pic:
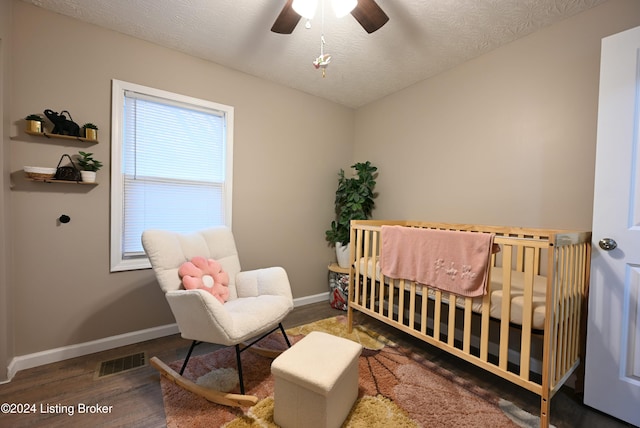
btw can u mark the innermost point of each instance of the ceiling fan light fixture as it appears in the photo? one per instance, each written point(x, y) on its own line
point(305, 8)
point(343, 7)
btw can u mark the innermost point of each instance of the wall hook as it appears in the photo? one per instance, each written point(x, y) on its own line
point(64, 218)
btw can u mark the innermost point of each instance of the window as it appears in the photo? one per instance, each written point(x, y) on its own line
point(171, 167)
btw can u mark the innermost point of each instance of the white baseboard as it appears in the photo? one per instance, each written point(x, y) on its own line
point(36, 359)
point(307, 300)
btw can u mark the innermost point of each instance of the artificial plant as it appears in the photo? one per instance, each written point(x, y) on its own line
point(88, 163)
point(354, 201)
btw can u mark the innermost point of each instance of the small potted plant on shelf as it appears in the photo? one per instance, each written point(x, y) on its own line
point(354, 201)
point(89, 166)
point(34, 123)
point(90, 131)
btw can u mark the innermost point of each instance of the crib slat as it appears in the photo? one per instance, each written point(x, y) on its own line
point(370, 242)
point(381, 299)
point(468, 311)
point(365, 283)
point(412, 304)
point(484, 327)
point(453, 301)
point(401, 301)
point(366, 280)
point(527, 314)
point(579, 267)
point(575, 300)
point(565, 347)
point(556, 339)
point(582, 279)
point(573, 309)
point(582, 315)
point(505, 310)
point(425, 308)
point(375, 253)
point(550, 333)
point(564, 326)
point(358, 251)
point(392, 295)
point(436, 315)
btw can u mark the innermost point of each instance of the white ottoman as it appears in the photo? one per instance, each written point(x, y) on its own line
point(316, 382)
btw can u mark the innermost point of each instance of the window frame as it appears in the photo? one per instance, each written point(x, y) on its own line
point(118, 88)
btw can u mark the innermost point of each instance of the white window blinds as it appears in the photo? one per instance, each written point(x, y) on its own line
point(173, 168)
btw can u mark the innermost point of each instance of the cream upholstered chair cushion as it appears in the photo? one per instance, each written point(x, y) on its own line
point(258, 299)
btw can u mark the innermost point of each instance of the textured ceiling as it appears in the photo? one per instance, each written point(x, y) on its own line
point(421, 39)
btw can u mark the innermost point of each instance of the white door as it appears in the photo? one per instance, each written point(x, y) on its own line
point(612, 379)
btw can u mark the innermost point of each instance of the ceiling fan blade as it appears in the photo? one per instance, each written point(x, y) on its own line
point(369, 15)
point(287, 20)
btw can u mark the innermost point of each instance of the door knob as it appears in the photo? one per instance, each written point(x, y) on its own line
point(607, 244)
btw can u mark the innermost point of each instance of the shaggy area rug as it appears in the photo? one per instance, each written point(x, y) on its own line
point(397, 388)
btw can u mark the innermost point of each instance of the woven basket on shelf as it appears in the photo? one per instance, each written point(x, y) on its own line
point(39, 176)
point(39, 173)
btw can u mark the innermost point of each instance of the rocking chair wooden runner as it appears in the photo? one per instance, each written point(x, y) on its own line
point(258, 302)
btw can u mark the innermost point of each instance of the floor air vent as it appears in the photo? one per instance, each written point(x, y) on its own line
point(121, 364)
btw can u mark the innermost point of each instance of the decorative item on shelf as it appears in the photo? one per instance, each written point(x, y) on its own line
point(89, 166)
point(39, 173)
point(90, 131)
point(34, 123)
point(354, 201)
point(69, 172)
point(62, 125)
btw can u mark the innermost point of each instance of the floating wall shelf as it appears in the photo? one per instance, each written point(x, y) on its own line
point(59, 181)
point(61, 137)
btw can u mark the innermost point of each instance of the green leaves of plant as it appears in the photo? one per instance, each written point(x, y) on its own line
point(88, 163)
point(354, 200)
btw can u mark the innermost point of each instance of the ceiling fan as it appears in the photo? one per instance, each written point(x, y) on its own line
point(366, 12)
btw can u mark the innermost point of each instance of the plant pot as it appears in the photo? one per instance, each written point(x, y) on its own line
point(90, 134)
point(342, 254)
point(88, 176)
point(34, 126)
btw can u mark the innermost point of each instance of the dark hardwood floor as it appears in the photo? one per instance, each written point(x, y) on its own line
point(133, 398)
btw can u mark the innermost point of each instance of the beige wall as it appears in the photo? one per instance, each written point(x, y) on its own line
point(507, 138)
point(284, 178)
point(6, 319)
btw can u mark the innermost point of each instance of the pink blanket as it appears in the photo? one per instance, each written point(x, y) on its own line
point(453, 261)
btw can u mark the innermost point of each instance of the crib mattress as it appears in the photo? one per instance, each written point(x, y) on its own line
point(517, 294)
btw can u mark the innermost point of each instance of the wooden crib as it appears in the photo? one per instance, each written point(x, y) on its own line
point(546, 273)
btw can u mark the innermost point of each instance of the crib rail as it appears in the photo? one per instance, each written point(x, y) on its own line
point(448, 321)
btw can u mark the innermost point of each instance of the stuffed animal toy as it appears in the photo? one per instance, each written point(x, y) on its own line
point(205, 274)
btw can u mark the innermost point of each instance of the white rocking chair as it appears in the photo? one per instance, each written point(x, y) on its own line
point(258, 301)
